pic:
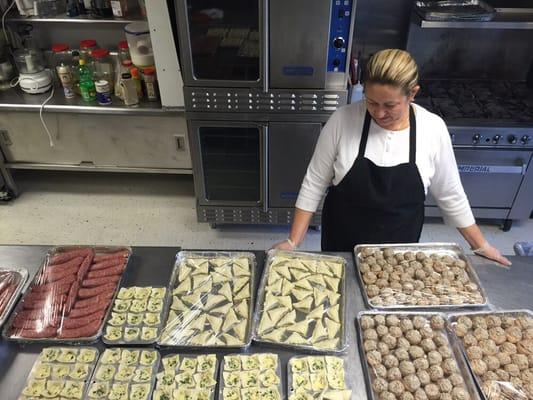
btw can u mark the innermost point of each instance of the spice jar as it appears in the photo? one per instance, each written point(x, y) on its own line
point(86, 48)
point(61, 56)
point(102, 66)
point(149, 82)
point(123, 51)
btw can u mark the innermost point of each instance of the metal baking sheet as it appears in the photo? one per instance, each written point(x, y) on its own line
point(452, 318)
point(23, 272)
point(183, 255)
point(451, 249)
point(90, 339)
point(38, 362)
point(221, 383)
point(455, 10)
point(162, 316)
point(261, 299)
point(454, 346)
point(129, 382)
point(312, 393)
point(181, 357)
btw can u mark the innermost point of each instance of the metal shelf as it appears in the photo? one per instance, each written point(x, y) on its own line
point(17, 100)
point(81, 19)
point(502, 20)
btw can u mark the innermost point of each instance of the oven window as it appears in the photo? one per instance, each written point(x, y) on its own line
point(224, 39)
point(231, 163)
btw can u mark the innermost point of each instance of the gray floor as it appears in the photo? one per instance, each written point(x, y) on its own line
point(135, 209)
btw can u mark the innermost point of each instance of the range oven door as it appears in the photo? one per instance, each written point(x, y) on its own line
point(222, 42)
point(229, 162)
point(491, 178)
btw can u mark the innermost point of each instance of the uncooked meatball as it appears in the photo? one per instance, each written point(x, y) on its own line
point(388, 253)
point(474, 353)
point(488, 346)
point(493, 363)
point(369, 277)
point(373, 357)
point(401, 354)
point(459, 393)
point(509, 348)
point(498, 335)
point(421, 363)
point(479, 322)
point(379, 385)
point(367, 322)
point(437, 322)
point(513, 334)
point(416, 352)
point(432, 391)
point(407, 368)
point(396, 387)
point(466, 321)
point(493, 321)
point(392, 320)
point(370, 345)
point(423, 376)
point(372, 291)
point(445, 351)
point(520, 360)
point(503, 375)
point(383, 348)
point(386, 395)
point(456, 380)
point(409, 255)
point(478, 366)
point(394, 374)
point(428, 345)
point(435, 373)
point(445, 386)
point(406, 325)
point(449, 366)
point(370, 334)
point(406, 396)
point(395, 331)
point(419, 322)
point(434, 358)
point(469, 340)
point(390, 361)
point(426, 332)
point(460, 329)
point(440, 340)
point(370, 260)
point(481, 334)
point(507, 321)
point(389, 340)
point(380, 370)
point(379, 319)
point(411, 383)
point(413, 336)
point(403, 343)
point(382, 330)
point(489, 376)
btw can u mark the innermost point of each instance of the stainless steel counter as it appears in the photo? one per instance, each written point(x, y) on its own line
point(506, 288)
point(17, 100)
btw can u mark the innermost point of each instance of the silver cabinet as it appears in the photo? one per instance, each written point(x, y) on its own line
point(96, 141)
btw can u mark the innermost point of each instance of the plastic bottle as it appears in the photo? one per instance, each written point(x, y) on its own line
point(103, 67)
point(136, 76)
point(125, 66)
point(74, 69)
point(87, 88)
point(149, 82)
point(128, 90)
point(123, 51)
point(65, 77)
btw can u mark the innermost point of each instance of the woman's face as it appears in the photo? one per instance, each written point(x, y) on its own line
point(388, 105)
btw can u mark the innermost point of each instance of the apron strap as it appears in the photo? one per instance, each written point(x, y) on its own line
point(412, 136)
point(364, 136)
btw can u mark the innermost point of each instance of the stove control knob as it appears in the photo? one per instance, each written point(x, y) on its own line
point(476, 138)
point(496, 139)
point(338, 42)
point(511, 139)
point(525, 139)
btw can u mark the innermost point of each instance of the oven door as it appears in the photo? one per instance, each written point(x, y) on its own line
point(222, 42)
point(491, 178)
point(229, 162)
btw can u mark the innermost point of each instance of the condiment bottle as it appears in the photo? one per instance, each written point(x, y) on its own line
point(128, 89)
point(150, 88)
point(137, 79)
point(87, 88)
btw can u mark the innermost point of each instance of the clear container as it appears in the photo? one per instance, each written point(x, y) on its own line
point(75, 73)
point(149, 82)
point(29, 61)
point(138, 36)
point(136, 76)
point(120, 8)
point(123, 67)
point(123, 51)
point(128, 90)
point(62, 54)
point(86, 48)
point(103, 66)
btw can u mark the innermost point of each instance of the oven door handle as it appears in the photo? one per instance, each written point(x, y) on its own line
point(493, 169)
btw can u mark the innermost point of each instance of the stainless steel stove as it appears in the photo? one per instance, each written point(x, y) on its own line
point(491, 129)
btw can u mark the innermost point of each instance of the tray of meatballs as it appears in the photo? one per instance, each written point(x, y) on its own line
point(498, 346)
point(418, 276)
point(412, 356)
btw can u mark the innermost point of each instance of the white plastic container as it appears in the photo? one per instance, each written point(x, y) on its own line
point(138, 37)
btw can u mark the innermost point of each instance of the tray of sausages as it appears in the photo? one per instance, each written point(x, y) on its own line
point(12, 282)
point(70, 296)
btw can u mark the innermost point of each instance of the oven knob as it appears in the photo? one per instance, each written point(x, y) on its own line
point(338, 42)
point(496, 139)
point(336, 62)
point(525, 139)
point(511, 139)
point(476, 138)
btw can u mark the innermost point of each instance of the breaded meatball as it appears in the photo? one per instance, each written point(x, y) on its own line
point(434, 358)
point(456, 380)
point(370, 345)
point(396, 387)
point(401, 354)
point(421, 363)
point(478, 366)
point(481, 334)
point(435, 373)
point(460, 330)
point(509, 348)
point(520, 360)
point(380, 370)
point(420, 394)
point(489, 376)
point(370, 334)
point(512, 369)
point(389, 340)
point(426, 332)
point(392, 320)
point(373, 357)
point(407, 368)
point(379, 385)
point(396, 331)
point(416, 352)
point(513, 334)
point(403, 343)
point(413, 336)
point(406, 324)
point(382, 330)
point(459, 393)
point(440, 340)
point(423, 377)
point(369, 277)
point(411, 383)
point(394, 374)
point(449, 366)
point(390, 361)
point(445, 386)
point(383, 348)
point(379, 319)
point(488, 347)
point(474, 353)
point(372, 291)
point(437, 322)
point(469, 340)
point(466, 321)
point(445, 351)
point(367, 322)
point(503, 375)
point(498, 335)
point(493, 363)
point(432, 391)
point(419, 322)
point(479, 322)
point(493, 321)
point(428, 345)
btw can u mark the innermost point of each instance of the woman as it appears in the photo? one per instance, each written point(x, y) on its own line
point(379, 158)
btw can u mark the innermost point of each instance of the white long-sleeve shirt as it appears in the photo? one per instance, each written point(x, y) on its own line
point(338, 145)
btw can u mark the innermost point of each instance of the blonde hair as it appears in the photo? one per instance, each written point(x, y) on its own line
point(392, 67)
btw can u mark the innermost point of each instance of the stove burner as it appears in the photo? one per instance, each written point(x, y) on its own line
point(510, 101)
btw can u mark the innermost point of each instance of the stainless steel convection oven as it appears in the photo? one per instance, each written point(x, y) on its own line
point(261, 77)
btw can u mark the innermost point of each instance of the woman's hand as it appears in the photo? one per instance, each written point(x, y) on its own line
point(285, 245)
point(492, 253)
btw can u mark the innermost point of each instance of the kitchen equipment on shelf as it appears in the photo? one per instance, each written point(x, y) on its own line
point(138, 36)
point(33, 75)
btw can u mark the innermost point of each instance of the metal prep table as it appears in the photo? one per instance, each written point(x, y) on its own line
point(506, 288)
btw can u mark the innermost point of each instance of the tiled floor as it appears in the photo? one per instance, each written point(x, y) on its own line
point(136, 209)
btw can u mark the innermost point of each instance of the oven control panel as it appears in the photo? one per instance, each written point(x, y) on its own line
point(492, 137)
point(339, 33)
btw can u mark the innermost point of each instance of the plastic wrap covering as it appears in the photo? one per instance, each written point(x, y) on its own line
point(211, 300)
point(317, 377)
point(251, 376)
point(499, 348)
point(455, 10)
point(301, 302)
point(124, 373)
point(60, 373)
point(12, 282)
point(422, 275)
point(411, 355)
point(69, 297)
point(187, 377)
point(136, 316)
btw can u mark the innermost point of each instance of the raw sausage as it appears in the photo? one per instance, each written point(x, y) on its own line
point(71, 323)
point(84, 331)
point(69, 255)
point(106, 272)
point(101, 298)
point(108, 263)
point(86, 293)
point(50, 287)
point(58, 267)
point(82, 312)
point(88, 283)
point(119, 254)
point(47, 332)
point(85, 265)
point(71, 298)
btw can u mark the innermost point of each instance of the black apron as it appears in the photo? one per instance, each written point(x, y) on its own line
point(374, 204)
